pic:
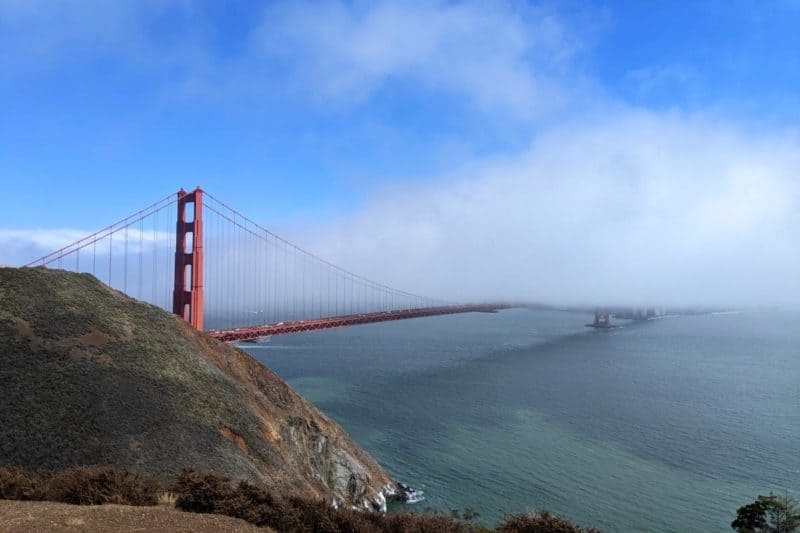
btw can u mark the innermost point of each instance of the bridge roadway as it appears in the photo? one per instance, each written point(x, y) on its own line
point(285, 328)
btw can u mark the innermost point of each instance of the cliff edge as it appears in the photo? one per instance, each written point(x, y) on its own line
point(89, 376)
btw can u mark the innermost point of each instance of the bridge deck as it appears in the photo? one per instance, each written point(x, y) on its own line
point(286, 328)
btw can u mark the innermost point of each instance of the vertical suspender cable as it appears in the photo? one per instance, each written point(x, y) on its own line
point(125, 265)
point(141, 256)
point(154, 257)
point(294, 283)
point(110, 244)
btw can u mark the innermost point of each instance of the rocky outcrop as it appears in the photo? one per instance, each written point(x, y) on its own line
point(91, 376)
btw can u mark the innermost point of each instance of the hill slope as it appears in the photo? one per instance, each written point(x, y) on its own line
point(91, 376)
point(43, 517)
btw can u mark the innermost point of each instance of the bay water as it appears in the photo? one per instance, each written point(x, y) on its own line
point(663, 425)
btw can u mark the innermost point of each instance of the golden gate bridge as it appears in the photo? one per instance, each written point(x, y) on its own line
point(233, 278)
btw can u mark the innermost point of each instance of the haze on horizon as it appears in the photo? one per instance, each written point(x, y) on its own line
point(461, 150)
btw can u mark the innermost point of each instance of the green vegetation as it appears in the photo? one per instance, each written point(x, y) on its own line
point(768, 514)
point(93, 377)
point(206, 493)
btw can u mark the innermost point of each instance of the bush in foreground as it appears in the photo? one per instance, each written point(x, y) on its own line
point(99, 485)
point(79, 486)
point(18, 484)
point(541, 522)
point(768, 514)
point(207, 493)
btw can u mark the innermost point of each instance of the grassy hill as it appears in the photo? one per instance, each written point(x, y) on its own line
point(89, 376)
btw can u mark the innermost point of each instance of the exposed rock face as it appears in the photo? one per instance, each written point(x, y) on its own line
point(90, 376)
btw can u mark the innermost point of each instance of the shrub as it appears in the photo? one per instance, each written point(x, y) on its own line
point(167, 498)
point(201, 493)
point(17, 484)
point(541, 522)
point(207, 493)
point(99, 485)
point(768, 513)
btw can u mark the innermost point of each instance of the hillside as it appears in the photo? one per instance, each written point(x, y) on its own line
point(91, 376)
point(24, 517)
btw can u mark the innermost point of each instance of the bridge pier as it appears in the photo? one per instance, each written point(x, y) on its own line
point(602, 319)
point(187, 296)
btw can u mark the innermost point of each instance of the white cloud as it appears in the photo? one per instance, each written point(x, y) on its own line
point(22, 246)
point(35, 34)
point(634, 208)
point(504, 57)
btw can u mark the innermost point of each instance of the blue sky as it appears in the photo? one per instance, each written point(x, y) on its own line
point(736, 55)
point(308, 116)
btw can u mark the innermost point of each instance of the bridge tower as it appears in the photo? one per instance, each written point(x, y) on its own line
point(602, 319)
point(187, 297)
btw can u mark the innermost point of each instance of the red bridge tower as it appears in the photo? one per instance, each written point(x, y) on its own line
point(187, 297)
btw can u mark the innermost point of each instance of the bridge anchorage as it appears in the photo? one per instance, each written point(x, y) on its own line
point(232, 278)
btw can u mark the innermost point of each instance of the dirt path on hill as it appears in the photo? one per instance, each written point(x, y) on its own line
point(21, 516)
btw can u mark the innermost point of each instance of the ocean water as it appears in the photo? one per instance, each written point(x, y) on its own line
point(666, 425)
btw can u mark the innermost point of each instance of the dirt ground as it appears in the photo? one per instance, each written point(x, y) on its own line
point(24, 516)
